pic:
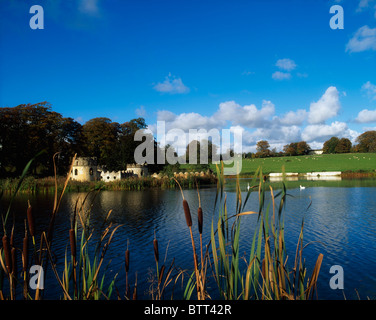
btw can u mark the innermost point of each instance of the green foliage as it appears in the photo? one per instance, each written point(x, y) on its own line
point(28, 129)
point(296, 148)
point(330, 145)
point(367, 142)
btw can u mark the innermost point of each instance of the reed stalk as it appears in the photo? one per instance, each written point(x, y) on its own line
point(267, 275)
point(127, 253)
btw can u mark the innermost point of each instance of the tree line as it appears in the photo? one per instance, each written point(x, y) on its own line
point(366, 142)
point(28, 129)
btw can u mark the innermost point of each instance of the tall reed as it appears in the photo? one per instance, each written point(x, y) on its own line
point(267, 274)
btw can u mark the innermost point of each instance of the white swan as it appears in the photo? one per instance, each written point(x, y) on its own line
point(301, 187)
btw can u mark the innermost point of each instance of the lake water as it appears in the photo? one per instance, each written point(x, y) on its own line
point(340, 223)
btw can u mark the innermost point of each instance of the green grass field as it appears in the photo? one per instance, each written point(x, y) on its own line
point(349, 162)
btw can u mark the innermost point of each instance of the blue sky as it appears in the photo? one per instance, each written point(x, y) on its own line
point(275, 69)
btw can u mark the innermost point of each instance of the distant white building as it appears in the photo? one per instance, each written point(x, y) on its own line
point(312, 152)
point(86, 169)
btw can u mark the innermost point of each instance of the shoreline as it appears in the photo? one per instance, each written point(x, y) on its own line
point(47, 185)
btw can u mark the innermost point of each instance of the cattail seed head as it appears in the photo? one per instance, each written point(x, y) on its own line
point(25, 248)
point(187, 213)
point(72, 240)
point(161, 274)
point(156, 251)
point(127, 260)
point(7, 255)
point(200, 219)
point(30, 220)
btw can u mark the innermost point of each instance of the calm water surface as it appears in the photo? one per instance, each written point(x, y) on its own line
point(340, 223)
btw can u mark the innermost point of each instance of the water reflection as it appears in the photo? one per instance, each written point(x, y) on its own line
point(339, 221)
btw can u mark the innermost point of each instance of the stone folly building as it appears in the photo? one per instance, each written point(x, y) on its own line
point(87, 169)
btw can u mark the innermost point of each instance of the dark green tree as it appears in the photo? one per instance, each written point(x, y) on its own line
point(330, 145)
point(344, 146)
point(367, 142)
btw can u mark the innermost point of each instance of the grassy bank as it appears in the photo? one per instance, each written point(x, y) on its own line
point(47, 185)
point(348, 163)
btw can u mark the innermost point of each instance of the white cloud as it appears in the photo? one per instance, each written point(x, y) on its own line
point(370, 89)
point(278, 75)
point(327, 107)
point(364, 39)
point(248, 73)
point(261, 123)
point(293, 117)
point(171, 85)
point(286, 64)
point(366, 116)
point(248, 115)
point(88, 7)
point(321, 132)
point(141, 112)
point(364, 4)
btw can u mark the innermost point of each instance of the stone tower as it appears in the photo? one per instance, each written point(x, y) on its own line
point(85, 169)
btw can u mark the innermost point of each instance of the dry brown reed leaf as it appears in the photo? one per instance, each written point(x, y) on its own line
point(30, 219)
point(126, 260)
point(25, 249)
point(156, 251)
point(7, 254)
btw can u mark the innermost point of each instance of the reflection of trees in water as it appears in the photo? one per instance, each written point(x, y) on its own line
point(136, 209)
point(131, 207)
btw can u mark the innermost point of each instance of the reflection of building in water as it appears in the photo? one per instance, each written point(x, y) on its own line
point(290, 176)
point(326, 178)
point(330, 175)
point(280, 178)
point(87, 169)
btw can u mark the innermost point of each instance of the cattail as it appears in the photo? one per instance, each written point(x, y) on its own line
point(161, 274)
point(126, 260)
point(156, 251)
point(187, 213)
point(7, 255)
point(72, 239)
point(200, 219)
point(24, 254)
point(30, 220)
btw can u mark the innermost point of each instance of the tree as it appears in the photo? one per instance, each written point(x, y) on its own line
point(262, 149)
point(28, 129)
point(291, 149)
point(302, 148)
point(330, 145)
point(343, 146)
point(204, 149)
point(101, 137)
point(366, 142)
